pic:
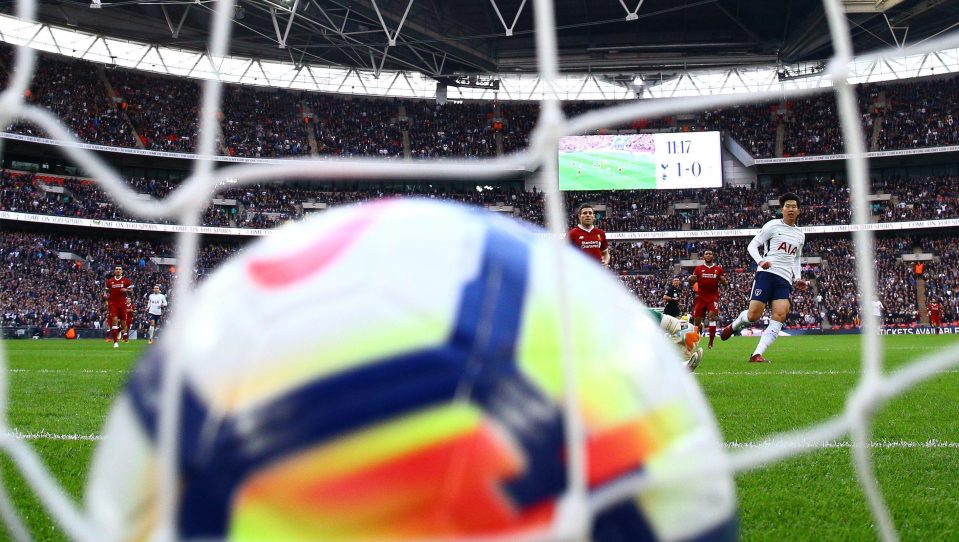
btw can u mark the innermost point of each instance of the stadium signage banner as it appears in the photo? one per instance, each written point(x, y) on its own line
point(874, 154)
point(892, 330)
point(132, 226)
point(166, 154)
point(141, 152)
point(612, 236)
point(841, 228)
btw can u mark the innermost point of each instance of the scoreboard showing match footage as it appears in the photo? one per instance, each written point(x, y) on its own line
point(640, 161)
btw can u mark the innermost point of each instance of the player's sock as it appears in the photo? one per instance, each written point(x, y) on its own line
point(769, 336)
point(115, 333)
point(712, 331)
point(741, 321)
point(152, 329)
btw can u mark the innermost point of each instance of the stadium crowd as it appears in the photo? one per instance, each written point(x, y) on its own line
point(903, 199)
point(163, 110)
point(354, 127)
point(56, 280)
point(450, 130)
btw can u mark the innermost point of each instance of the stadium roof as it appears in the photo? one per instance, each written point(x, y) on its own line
point(611, 49)
point(447, 38)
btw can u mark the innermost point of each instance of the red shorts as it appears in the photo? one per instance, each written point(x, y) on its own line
point(703, 306)
point(937, 322)
point(117, 311)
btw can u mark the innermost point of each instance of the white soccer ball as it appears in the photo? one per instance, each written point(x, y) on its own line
point(394, 371)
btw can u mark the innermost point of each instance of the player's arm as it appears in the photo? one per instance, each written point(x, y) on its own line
point(797, 271)
point(758, 242)
point(605, 246)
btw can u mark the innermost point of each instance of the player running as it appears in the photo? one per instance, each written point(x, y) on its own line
point(587, 237)
point(778, 271)
point(128, 319)
point(155, 305)
point(708, 276)
point(934, 310)
point(115, 293)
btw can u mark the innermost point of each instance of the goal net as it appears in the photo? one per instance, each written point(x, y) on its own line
point(185, 205)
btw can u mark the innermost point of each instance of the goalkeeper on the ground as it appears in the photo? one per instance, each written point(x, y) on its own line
point(685, 335)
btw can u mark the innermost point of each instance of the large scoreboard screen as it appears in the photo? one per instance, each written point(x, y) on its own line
point(640, 161)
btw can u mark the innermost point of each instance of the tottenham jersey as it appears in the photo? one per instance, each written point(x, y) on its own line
point(780, 245)
point(156, 303)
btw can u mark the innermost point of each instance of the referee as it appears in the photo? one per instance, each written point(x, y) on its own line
point(671, 297)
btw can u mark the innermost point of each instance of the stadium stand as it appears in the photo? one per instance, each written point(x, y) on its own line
point(163, 110)
point(345, 126)
point(125, 108)
point(917, 198)
point(55, 280)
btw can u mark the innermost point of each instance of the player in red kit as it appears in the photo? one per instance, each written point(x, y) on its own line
point(934, 309)
point(708, 277)
point(116, 290)
point(587, 237)
point(128, 319)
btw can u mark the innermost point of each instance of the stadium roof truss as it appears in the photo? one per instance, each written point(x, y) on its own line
point(372, 80)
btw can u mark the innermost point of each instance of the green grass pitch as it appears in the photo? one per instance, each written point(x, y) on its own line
point(606, 170)
point(60, 393)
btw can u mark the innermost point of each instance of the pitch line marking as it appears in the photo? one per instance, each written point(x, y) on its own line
point(843, 444)
point(71, 371)
point(43, 434)
point(797, 372)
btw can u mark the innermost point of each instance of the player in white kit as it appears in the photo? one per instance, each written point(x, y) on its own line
point(777, 250)
point(155, 305)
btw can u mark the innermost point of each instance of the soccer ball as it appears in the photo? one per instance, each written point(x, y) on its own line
point(393, 371)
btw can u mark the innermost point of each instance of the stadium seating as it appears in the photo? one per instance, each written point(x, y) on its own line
point(124, 108)
point(923, 198)
point(42, 289)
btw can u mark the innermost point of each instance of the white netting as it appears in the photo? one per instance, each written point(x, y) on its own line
point(186, 204)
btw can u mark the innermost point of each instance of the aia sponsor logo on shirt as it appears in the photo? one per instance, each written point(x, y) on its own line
point(787, 248)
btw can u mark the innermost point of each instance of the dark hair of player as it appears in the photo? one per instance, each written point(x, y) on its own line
point(789, 196)
point(583, 206)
